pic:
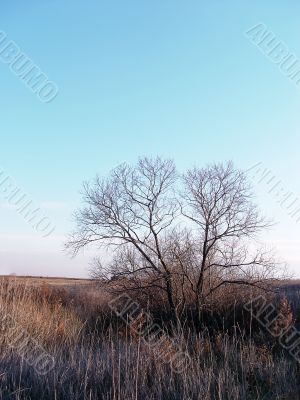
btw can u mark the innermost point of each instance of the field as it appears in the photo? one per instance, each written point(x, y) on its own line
point(96, 355)
point(40, 281)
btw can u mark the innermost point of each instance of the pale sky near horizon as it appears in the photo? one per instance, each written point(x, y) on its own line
point(175, 78)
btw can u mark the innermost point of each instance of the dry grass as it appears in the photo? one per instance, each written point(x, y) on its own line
point(97, 357)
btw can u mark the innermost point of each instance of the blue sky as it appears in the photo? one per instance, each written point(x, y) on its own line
point(167, 77)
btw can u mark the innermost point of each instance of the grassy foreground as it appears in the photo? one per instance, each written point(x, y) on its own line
point(96, 356)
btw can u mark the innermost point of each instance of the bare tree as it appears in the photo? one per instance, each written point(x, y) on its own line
point(184, 248)
point(219, 202)
point(133, 207)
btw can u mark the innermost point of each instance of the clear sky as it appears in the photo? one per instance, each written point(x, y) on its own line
point(174, 78)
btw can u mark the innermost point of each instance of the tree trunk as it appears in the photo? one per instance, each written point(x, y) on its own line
point(169, 288)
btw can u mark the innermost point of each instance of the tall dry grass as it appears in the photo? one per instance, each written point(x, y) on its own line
point(98, 357)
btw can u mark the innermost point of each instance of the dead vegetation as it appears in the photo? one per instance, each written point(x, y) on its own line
point(97, 356)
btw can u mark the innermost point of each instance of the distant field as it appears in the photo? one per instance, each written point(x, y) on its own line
point(59, 281)
point(51, 281)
